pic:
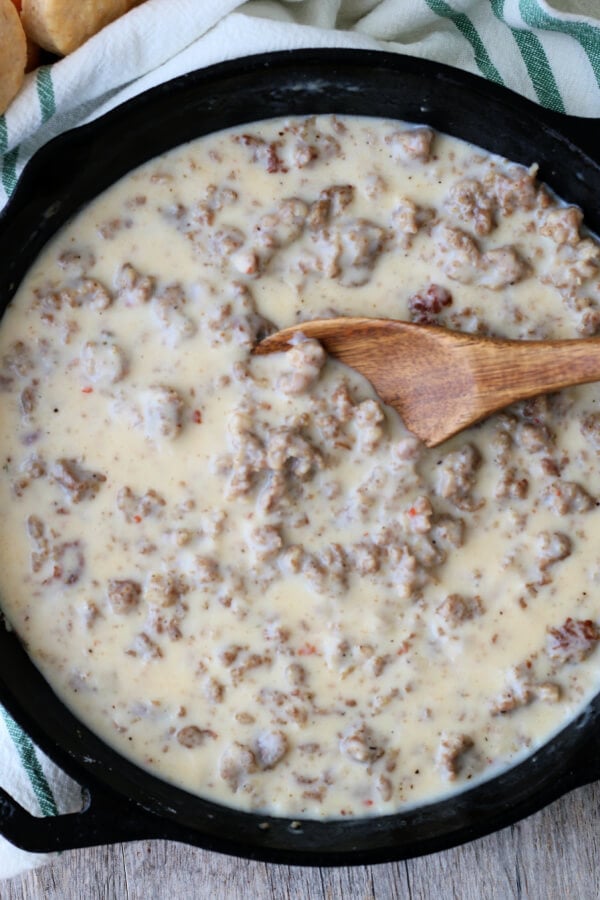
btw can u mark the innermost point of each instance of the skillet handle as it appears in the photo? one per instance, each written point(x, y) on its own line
point(105, 819)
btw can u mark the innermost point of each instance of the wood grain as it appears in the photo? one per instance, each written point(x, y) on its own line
point(550, 856)
point(442, 381)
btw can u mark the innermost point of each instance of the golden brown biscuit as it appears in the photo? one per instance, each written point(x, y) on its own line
point(13, 53)
point(33, 51)
point(61, 26)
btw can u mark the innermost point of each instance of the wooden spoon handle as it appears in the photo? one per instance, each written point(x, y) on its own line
point(518, 369)
point(514, 370)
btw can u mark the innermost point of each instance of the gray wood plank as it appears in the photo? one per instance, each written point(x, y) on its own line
point(550, 856)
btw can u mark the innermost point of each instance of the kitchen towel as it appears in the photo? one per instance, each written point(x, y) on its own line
point(547, 50)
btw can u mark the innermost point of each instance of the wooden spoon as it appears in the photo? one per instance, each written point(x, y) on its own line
point(442, 381)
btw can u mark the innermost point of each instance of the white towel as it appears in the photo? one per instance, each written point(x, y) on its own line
point(547, 51)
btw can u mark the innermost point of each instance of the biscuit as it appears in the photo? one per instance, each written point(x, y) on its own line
point(62, 26)
point(13, 53)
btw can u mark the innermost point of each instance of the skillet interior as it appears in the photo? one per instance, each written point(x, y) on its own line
point(124, 801)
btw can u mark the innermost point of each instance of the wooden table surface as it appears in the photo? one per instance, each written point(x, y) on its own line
point(553, 855)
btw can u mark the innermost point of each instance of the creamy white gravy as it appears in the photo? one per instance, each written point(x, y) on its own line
point(245, 574)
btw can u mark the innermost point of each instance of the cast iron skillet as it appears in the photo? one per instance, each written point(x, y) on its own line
point(123, 802)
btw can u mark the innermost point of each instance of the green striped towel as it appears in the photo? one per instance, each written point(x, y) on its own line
point(37, 783)
point(547, 50)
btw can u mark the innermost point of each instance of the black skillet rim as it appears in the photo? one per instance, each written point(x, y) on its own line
point(126, 802)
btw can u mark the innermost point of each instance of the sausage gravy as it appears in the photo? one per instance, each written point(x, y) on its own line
point(244, 573)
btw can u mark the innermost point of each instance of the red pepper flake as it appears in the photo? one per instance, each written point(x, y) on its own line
point(367, 803)
point(307, 650)
point(197, 417)
point(412, 511)
point(137, 519)
point(87, 390)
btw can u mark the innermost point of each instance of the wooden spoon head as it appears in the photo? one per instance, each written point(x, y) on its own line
point(407, 364)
